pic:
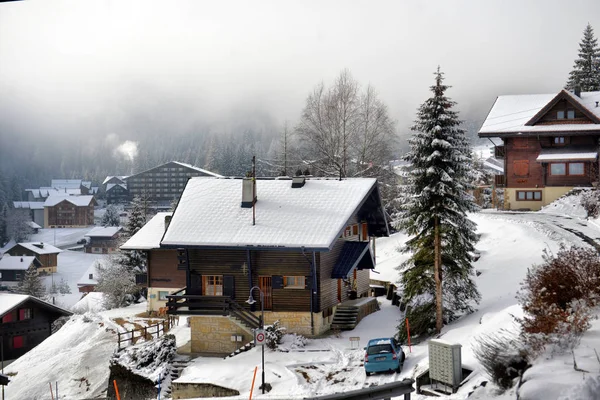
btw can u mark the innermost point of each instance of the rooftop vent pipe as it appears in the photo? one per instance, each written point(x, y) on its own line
point(577, 90)
point(298, 181)
point(247, 189)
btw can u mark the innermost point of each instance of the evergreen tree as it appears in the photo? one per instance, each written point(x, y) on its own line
point(32, 285)
point(137, 216)
point(111, 216)
point(3, 224)
point(586, 71)
point(437, 279)
point(117, 281)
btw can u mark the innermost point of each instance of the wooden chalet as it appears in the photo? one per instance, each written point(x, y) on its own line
point(550, 145)
point(103, 240)
point(13, 268)
point(26, 322)
point(46, 254)
point(88, 281)
point(310, 248)
point(115, 189)
point(69, 211)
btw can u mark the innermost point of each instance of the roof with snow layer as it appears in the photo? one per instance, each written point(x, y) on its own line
point(80, 201)
point(39, 247)
point(150, 235)
point(9, 262)
point(517, 114)
point(209, 213)
point(106, 231)
point(9, 302)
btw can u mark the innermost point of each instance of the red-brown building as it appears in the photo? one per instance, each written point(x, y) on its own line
point(550, 145)
point(69, 211)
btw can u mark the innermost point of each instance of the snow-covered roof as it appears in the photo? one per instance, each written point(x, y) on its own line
point(204, 171)
point(9, 301)
point(85, 279)
point(9, 262)
point(119, 177)
point(567, 154)
point(112, 185)
point(107, 231)
point(39, 247)
point(209, 213)
point(150, 235)
point(33, 225)
point(66, 183)
point(493, 164)
point(510, 114)
point(32, 205)
point(80, 201)
point(44, 192)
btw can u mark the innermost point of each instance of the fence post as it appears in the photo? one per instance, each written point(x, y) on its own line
point(118, 341)
point(145, 333)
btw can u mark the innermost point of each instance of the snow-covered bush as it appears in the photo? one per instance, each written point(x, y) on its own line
point(117, 282)
point(556, 297)
point(293, 341)
point(502, 356)
point(590, 201)
point(274, 334)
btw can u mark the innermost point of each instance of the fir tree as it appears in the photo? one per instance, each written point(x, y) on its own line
point(32, 285)
point(437, 279)
point(3, 224)
point(586, 71)
point(111, 216)
point(137, 217)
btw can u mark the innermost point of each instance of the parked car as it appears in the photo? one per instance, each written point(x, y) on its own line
point(383, 354)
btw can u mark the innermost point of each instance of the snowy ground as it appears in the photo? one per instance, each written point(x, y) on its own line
point(61, 237)
point(510, 243)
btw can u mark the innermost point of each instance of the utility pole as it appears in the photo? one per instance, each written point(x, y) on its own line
point(253, 190)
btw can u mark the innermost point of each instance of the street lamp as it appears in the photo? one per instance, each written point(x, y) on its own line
point(262, 326)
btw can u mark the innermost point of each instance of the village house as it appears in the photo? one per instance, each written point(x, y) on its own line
point(103, 240)
point(13, 268)
point(46, 254)
point(26, 322)
point(115, 189)
point(69, 211)
point(88, 281)
point(303, 246)
point(550, 145)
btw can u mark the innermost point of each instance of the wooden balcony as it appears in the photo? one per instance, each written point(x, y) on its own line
point(499, 180)
point(180, 303)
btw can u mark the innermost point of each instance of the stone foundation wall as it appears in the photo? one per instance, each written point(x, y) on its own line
point(212, 335)
point(195, 390)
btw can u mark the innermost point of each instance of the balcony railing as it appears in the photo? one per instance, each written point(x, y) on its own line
point(499, 180)
point(190, 304)
point(499, 152)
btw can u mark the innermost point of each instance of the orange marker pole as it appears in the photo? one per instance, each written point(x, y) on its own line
point(116, 389)
point(408, 332)
point(253, 379)
point(51, 393)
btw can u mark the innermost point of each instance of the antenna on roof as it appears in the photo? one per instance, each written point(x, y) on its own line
point(253, 190)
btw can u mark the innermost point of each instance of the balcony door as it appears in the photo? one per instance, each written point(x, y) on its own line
point(266, 285)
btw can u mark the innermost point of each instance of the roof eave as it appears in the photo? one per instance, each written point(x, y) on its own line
point(242, 247)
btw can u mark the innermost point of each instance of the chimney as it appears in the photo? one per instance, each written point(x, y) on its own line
point(91, 276)
point(298, 181)
point(167, 222)
point(597, 103)
point(247, 189)
point(577, 90)
point(21, 259)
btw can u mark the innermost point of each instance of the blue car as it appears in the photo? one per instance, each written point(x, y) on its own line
point(383, 354)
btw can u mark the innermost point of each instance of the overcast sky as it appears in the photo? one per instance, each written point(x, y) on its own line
point(87, 66)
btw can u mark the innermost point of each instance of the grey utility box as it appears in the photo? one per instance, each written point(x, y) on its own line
point(445, 364)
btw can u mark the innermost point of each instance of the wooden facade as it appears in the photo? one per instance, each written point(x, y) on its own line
point(47, 261)
point(66, 214)
point(26, 325)
point(552, 152)
point(163, 271)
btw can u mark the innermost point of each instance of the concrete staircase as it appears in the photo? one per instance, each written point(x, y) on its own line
point(241, 350)
point(177, 365)
point(345, 318)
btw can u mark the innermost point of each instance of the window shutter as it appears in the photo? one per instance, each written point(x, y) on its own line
point(277, 282)
point(521, 167)
point(229, 286)
point(308, 282)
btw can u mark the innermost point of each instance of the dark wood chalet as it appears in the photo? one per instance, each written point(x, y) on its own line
point(310, 248)
point(13, 268)
point(26, 322)
point(103, 240)
point(46, 254)
point(550, 145)
point(69, 211)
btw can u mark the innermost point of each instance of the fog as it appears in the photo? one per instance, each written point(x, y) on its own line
point(85, 68)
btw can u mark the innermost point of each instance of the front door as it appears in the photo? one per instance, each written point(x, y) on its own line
point(266, 285)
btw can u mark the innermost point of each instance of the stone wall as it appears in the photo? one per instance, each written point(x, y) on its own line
point(212, 335)
point(195, 390)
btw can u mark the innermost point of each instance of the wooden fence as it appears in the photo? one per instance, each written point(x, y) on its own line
point(147, 332)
